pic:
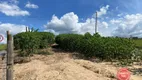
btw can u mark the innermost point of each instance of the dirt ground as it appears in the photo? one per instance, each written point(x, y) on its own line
point(62, 66)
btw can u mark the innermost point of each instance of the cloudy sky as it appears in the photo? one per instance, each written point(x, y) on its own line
point(115, 17)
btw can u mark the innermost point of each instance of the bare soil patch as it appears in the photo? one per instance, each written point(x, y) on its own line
point(62, 66)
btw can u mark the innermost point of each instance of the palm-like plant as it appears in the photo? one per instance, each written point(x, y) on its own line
point(33, 30)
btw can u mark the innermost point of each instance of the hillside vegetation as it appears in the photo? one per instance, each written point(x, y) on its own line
point(74, 57)
point(111, 49)
point(104, 48)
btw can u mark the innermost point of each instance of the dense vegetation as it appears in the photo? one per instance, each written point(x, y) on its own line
point(105, 48)
point(31, 41)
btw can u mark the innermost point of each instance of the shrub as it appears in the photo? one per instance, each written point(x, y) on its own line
point(30, 41)
point(105, 48)
point(87, 35)
point(68, 41)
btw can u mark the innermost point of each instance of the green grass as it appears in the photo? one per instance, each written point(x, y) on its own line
point(2, 47)
point(138, 43)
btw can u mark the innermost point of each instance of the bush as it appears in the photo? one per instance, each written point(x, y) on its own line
point(136, 55)
point(87, 35)
point(68, 41)
point(30, 41)
point(105, 48)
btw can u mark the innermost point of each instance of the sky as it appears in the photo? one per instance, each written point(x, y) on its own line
point(115, 17)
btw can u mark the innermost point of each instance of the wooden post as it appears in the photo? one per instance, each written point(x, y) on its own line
point(96, 24)
point(9, 71)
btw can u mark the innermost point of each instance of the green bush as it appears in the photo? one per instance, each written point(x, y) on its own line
point(68, 41)
point(105, 48)
point(46, 39)
point(87, 35)
point(30, 41)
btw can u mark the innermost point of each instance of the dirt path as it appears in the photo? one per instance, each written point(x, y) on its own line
point(62, 66)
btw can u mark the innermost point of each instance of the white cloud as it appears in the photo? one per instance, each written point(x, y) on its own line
point(30, 5)
point(128, 25)
point(102, 11)
point(69, 23)
point(12, 9)
point(124, 27)
point(105, 24)
point(115, 21)
point(13, 28)
point(66, 24)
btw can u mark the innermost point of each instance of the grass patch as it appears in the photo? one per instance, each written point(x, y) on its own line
point(2, 47)
point(138, 42)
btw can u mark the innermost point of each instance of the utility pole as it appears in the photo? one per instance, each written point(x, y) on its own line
point(96, 23)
